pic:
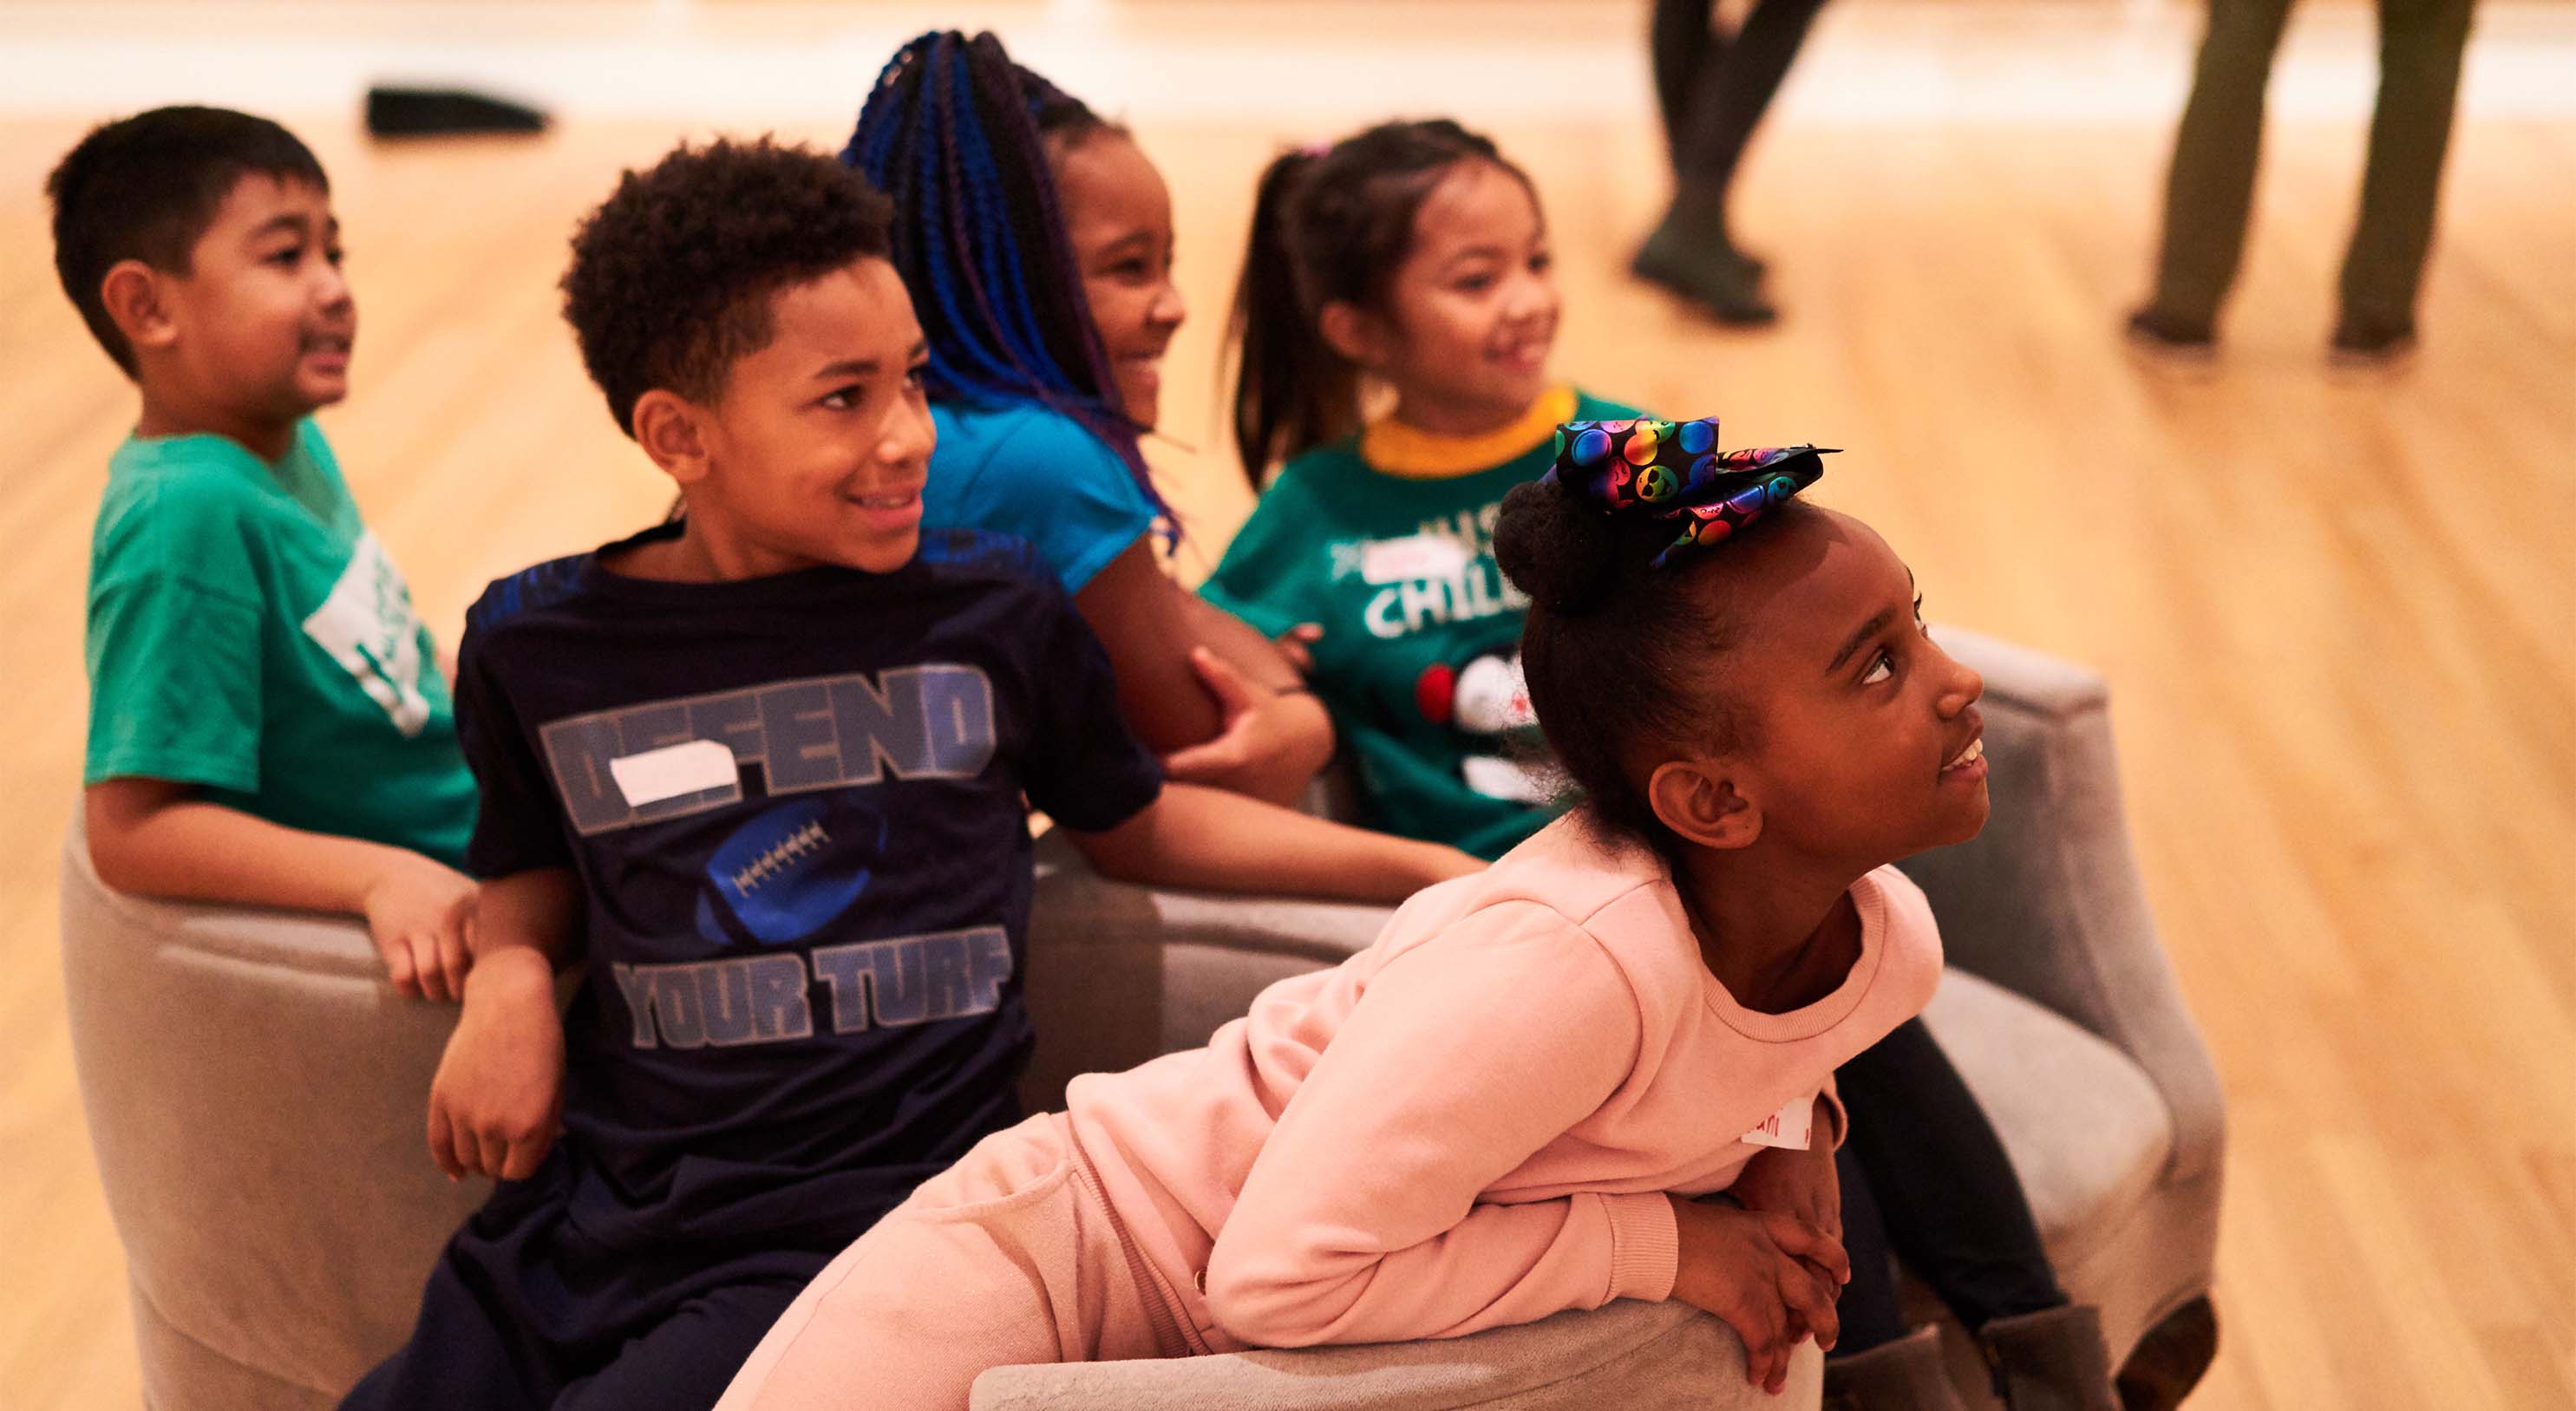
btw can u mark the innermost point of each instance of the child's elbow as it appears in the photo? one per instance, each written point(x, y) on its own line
point(112, 854)
point(112, 861)
point(1121, 854)
point(1265, 1308)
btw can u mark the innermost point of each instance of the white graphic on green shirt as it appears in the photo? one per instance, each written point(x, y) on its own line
point(368, 626)
point(1441, 573)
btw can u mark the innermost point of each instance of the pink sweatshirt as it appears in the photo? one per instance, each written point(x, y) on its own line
point(1472, 1122)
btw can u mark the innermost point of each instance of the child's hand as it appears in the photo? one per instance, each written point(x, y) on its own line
point(1793, 1182)
point(497, 1101)
point(1771, 1277)
point(421, 915)
point(1297, 645)
point(1272, 743)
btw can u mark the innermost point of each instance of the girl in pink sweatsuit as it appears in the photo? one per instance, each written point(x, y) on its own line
point(1501, 1108)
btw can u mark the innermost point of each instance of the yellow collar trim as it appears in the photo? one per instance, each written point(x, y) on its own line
point(1392, 448)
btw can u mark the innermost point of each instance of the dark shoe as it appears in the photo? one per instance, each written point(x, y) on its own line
point(1905, 1375)
point(2370, 343)
point(2171, 1359)
point(2164, 336)
point(1714, 275)
point(2050, 1361)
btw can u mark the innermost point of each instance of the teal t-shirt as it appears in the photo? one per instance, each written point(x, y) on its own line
point(1038, 475)
point(247, 634)
point(1396, 560)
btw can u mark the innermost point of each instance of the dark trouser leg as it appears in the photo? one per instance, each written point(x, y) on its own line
point(1692, 252)
point(1953, 1208)
point(1682, 46)
point(1867, 1305)
point(1727, 101)
point(2210, 190)
point(684, 1362)
point(469, 1348)
point(2419, 82)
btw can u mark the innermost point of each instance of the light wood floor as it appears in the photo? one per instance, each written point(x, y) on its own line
point(2333, 610)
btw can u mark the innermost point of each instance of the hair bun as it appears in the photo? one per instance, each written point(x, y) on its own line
point(1563, 553)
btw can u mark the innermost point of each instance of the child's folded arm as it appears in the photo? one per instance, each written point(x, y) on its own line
point(1198, 837)
point(1362, 1218)
point(496, 1103)
point(159, 838)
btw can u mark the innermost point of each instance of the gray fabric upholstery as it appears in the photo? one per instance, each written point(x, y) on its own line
point(255, 1093)
point(1629, 1355)
point(2048, 902)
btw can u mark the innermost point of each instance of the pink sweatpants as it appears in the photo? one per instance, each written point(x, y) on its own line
point(1010, 1256)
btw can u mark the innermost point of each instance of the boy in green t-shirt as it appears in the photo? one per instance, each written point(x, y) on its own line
point(268, 723)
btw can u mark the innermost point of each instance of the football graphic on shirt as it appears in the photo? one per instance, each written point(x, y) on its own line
point(790, 871)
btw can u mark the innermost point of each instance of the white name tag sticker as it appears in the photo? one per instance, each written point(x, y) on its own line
point(690, 767)
point(1412, 558)
point(1791, 1126)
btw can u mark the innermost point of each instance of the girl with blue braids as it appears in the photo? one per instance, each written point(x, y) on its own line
point(1036, 240)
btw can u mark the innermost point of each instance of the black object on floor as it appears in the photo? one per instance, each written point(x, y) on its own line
point(2361, 343)
point(445, 112)
point(2166, 336)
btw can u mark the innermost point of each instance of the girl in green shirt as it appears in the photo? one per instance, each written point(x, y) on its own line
point(1412, 257)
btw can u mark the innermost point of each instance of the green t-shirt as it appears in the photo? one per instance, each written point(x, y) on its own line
point(247, 634)
point(1387, 540)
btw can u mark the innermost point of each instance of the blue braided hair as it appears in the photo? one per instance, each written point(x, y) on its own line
point(951, 131)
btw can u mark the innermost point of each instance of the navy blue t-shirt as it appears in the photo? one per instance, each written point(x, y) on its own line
point(794, 805)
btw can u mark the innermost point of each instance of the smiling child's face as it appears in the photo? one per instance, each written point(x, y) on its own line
point(1473, 308)
point(263, 322)
point(1118, 219)
point(819, 443)
point(1865, 744)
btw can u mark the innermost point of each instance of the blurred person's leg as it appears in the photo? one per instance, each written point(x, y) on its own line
point(1693, 251)
point(2420, 42)
point(1682, 42)
point(2210, 190)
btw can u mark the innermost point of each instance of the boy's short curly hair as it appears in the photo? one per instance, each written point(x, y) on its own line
point(147, 187)
point(672, 276)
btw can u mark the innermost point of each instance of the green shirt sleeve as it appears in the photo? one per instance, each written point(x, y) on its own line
point(173, 644)
point(174, 669)
point(1265, 578)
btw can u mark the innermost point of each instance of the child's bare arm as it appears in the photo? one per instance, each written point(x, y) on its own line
point(1154, 632)
point(158, 838)
point(497, 1101)
point(1273, 744)
point(1199, 837)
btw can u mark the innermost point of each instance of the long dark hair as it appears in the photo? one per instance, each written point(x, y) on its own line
point(1327, 226)
point(951, 131)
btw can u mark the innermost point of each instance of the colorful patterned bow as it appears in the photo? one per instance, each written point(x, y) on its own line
point(1672, 470)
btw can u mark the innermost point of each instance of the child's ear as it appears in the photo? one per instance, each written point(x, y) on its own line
point(131, 291)
point(1698, 800)
point(673, 431)
point(1353, 332)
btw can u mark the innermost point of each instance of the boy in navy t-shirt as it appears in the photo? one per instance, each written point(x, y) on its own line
point(763, 768)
